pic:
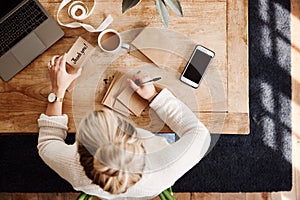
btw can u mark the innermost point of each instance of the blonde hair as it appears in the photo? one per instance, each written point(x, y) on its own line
point(110, 151)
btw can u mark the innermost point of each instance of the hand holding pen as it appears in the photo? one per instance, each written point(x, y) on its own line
point(143, 86)
point(138, 83)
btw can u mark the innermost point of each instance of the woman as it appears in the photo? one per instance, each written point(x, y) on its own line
point(112, 159)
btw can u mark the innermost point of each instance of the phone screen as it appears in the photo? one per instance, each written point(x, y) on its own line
point(197, 66)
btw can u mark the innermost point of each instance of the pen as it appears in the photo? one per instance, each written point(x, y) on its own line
point(152, 80)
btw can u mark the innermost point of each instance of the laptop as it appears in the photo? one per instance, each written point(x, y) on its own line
point(26, 31)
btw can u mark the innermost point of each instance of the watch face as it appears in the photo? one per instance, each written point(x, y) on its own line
point(51, 97)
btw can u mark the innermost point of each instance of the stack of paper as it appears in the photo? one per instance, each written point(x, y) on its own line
point(121, 98)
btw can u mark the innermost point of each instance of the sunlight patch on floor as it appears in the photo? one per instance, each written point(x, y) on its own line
point(264, 7)
point(267, 97)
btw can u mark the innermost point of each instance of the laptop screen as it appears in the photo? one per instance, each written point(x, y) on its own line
point(6, 6)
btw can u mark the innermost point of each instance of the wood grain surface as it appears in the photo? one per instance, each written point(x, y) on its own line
point(218, 25)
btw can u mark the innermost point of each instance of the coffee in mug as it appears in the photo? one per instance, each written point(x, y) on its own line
point(110, 41)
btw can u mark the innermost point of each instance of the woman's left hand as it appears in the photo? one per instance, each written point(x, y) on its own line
point(60, 78)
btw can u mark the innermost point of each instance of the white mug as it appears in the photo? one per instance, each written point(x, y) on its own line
point(110, 41)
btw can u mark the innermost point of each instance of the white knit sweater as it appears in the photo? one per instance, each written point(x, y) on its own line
point(164, 163)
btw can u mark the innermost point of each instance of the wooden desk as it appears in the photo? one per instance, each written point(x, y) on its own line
point(219, 25)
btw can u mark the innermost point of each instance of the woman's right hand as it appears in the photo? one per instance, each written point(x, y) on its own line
point(146, 91)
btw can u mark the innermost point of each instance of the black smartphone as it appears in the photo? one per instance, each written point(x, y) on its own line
point(196, 66)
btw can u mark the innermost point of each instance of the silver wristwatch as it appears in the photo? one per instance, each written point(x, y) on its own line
point(52, 98)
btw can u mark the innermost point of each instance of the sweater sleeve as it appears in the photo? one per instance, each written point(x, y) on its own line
point(53, 150)
point(170, 163)
point(176, 114)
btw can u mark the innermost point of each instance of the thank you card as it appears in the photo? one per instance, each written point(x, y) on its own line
point(79, 52)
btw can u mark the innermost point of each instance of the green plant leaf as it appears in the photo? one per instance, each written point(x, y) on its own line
point(162, 196)
point(81, 196)
point(170, 190)
point(168, 195)
point(175, 6)
point(127, 4)
point(162, 11)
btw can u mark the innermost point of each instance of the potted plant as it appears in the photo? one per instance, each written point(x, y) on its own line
point(161, 6)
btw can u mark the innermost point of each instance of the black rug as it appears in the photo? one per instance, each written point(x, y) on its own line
point(258, 162)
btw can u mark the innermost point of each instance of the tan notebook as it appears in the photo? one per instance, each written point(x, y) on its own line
point(121, 98)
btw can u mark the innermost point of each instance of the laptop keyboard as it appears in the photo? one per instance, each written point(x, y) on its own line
point(20, 24)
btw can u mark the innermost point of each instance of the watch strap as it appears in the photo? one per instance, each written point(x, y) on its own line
point(59, 99)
